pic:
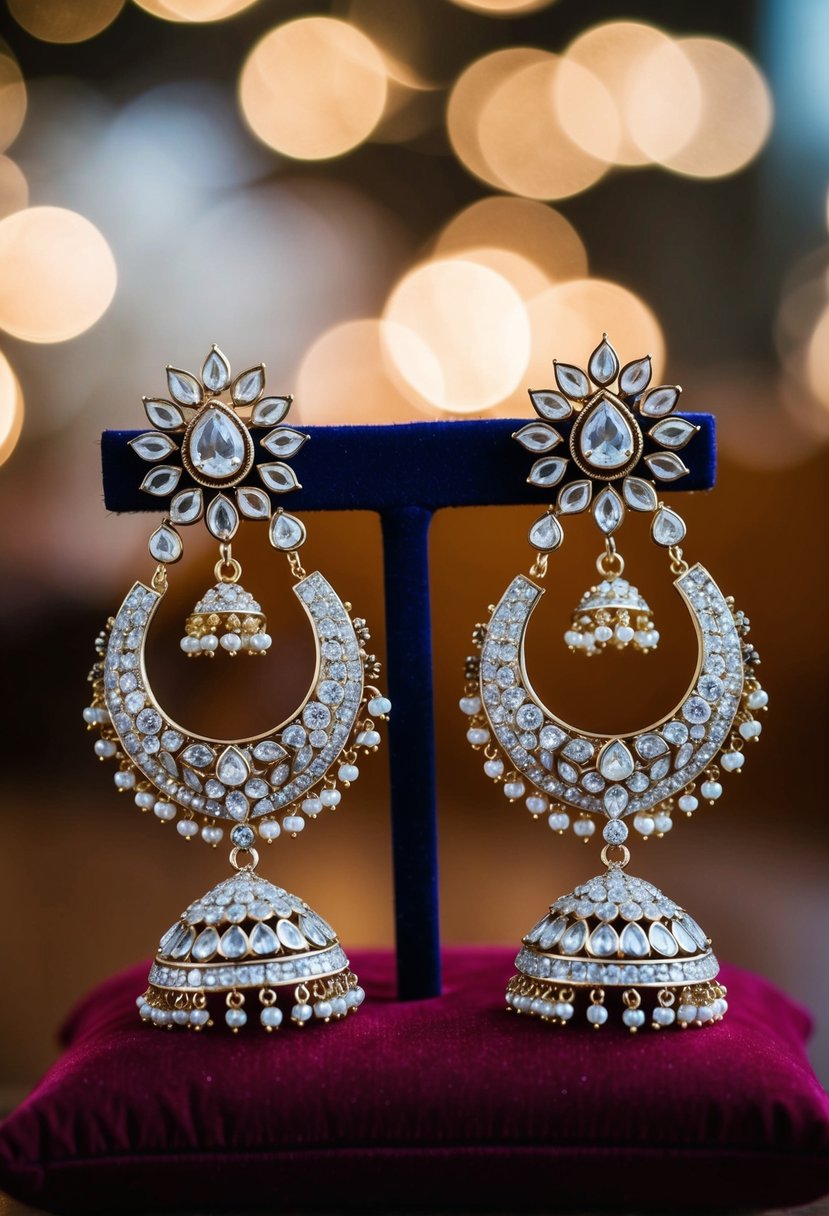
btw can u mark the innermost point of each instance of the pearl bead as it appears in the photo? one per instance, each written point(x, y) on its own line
point(688, 803)
point(477, 736)
point(624, 633)
point(564, 1010)
point(536, 805)
point(640, 638)
point(604, 633)
point(312, 806)
point(209, 642)
point(359, 995)
point(271, 1016)
point(260, 641)
point(663, 1016)
point(662, 823)
point(731, 761)
point(348, 773)
point(181, 1017)
point(330, 797)
point(597, 1015)
point(514, 789)
point(90, 716)
point(105, 748)
point(189, 644)
point(470, 705)
point(145, 799)
point(269, 829)
point(235, 1018)
point(572, 638)
point(750, 729)
point(653, 638)
point(633, 1018)
point(301, 1013)
point(231, 642)
point(644, 825)
point(704, 1013)
point(686, 1014)
point(293, 824)
point(368, 738)
point(339, 1006)
point(584, 828)
point(494, 768)
point(712, 790)
point(199, 1017)
point(378, 707)
point(323, 1009)
point(758, 699)
point(164, 811)
point(211, 834)
point(187, 828)
point(124, 781)
point(559, 821)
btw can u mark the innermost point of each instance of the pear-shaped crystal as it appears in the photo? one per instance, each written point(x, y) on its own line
point(165, 545)
point(546, 534)
point(152, 446)
point(234, 944)
point(161, 480)
point(604, 941)
point(605, 438)
point(270, 410)
point(216, 371)
point(222, 518)
point(673, 432)
point(615, 761)
point(633, 941)
point(574, 498)
point(572, 381)
point(199, 755)
point(183, 387)
point(639, 494)
point(660, 401)
point(278, 477)
point(205, 945)
point(232, 768)
point(661, 940)
point(615, 800)
point(667, 528)
point(284, 441)
point(216, 446)
point(163, 414)
point(683, 937)
point(248, 386)
point(608, 511)
point(290, 936)
point(286, 532)
point(263, 940)
point(549, 404)
point(547, 472)
point(253, 503)
point(666, 466)
point(574, 938)
point(186, 506)
point(537, 437)
point(636, 377)
point(604, 363)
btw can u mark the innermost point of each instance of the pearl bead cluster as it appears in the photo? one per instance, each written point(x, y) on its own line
point(683, 1008)
point(270, 1015)
point(592, 634)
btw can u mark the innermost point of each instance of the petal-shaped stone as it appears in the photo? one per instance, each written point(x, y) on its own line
point(660, 401)
point(574, 938)
point(579, 750)
point(270, 410)
point(605, 437)
point(161, 480)
point(290, 936)
point(673, 432)
point(546, 534)
point(263, 940)
point(269, 751)
point(650, 746)
point(695, 931)
point(232, 767)
point(667, 528)
point(165, 545)
point(216, 371)
point(639, 494)
point(604, 942)
point(633, 941)
point(661, 940)
point(604, 363)
point(548, 404)
point(286, 531)
point(216, 445)
point(152, 446)
point(615, 800)
point(222, 518)
point(636, 376)
point(279, 477)
point(615, 761)
point(183, 387)
point(551, 933)
point(666, 466)
point(608, 510)
point(312, 931)
point(205, 945)
point(233, 943)
point(547, 472)
point(199, 755)
point(186, 506)
point(163, 414)
point(574, 498)
point(284, 441)
point(683, 937)
point(572, 381)
point(537, 437)
point(248, 386)
point(253, 503)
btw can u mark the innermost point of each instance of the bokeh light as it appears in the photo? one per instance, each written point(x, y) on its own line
point(14, 189)
point(57, 274)
point(472, 331)
point(57, 21)
point(735, 108)
point(194, 10)
point(314, 88)
point(12, 99)
point(504, 8)
point(534, 231)
point(817, 359)
point(345, 376)
point(11, 409)
point(521, 137)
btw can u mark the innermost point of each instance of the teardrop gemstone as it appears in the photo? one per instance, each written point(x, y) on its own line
point(615, 761)
point(606, 439)
point(216, 446)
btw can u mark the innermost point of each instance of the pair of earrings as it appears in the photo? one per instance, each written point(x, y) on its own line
point(611, 942)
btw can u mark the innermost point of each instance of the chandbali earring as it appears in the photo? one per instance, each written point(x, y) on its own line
point(615, 943)
point(246, 935)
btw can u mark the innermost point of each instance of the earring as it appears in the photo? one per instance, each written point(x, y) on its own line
point(246, 935)
point(615, 942)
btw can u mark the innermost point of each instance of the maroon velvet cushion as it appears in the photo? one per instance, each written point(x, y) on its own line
point(436, 1105)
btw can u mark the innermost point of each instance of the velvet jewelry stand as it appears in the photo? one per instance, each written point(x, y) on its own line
point(432, 1099)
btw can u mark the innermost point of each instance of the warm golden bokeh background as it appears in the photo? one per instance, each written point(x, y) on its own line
point(407, 209)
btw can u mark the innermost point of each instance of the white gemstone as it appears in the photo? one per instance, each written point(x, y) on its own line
point(615, 761)
point(152, 445)
point(547, 472)
point(546, 533)
point(263, 940)
point(636, 377)
point(278, 477)
point(222, 518)
point(550, 404)
point(216, 445)
point(186, 506)
point(574, 938)
point(234, 943)
point(165, 545)
point(608, 511)
point(216, 371)
point(537, 437)
point(162, 480)
point(248, 386)
point(232, 767)
point(183, 387)
point(660, 401)
point(286, 531)
point(615, 800)
point(284, 441)
point(666, 466)
point(164, 415)
point(290, 936)
point(667, 528)
point(572, 380)
point(604, 363)
point(639, 494)
point(673, 432)
point(633, 942)
point(650, 746)
point(604, 941)
point(575, 497)
point(270, 410)
point(253, 503)
point(199, 755)
point(605, 439)
point(662, 941)
point(615, 832)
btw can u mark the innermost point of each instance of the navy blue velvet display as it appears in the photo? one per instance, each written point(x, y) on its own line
point(406, 473)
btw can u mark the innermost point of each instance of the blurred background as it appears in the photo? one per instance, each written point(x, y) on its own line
point(407, 208)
